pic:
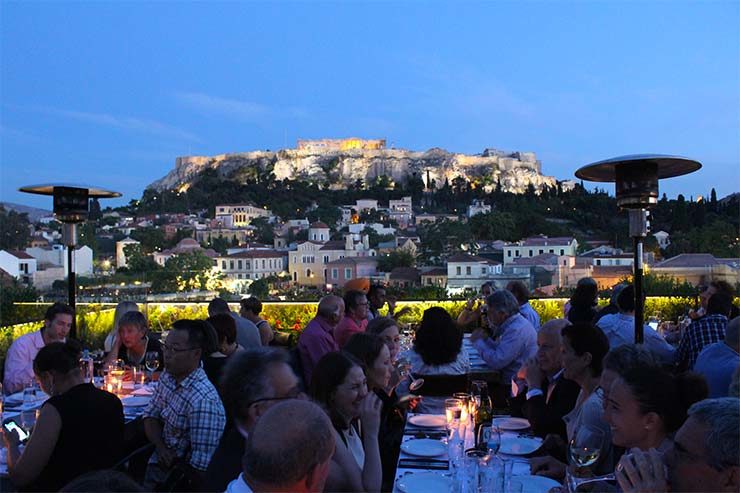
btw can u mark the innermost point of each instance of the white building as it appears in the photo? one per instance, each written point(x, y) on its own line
point(319, 232)
point(357, 229)
point(478, 207)
point(120, 251)
point(244, 267)
point(365, 204)
point(469, 272)
point(18, 264)
point(538, 245)
point(663, 238)
point(401, 211)
point(238, 215)
point(56, 256)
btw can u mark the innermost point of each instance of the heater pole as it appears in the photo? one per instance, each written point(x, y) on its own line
point(638, 231)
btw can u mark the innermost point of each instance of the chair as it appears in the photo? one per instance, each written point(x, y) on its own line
point(442, 385)
point(134, 464)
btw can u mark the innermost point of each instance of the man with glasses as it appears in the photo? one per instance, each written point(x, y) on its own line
point(705, 454)
point(185, 418)
point(252, 382)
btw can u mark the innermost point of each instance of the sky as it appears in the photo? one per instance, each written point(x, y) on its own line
point(110, 93)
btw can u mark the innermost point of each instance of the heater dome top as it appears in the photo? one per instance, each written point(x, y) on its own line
point(667, 166)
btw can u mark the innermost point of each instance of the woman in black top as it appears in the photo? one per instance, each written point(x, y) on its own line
point(133, 342)
point(79, 429)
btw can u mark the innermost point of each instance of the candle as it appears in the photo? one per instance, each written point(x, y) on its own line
point(109, 387)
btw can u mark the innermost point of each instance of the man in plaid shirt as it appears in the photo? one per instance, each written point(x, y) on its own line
point(705, 331)
point(185, 418)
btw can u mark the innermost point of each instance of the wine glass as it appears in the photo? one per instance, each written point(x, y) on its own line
point(151, 361)
point(585, 449)
point(489, 438)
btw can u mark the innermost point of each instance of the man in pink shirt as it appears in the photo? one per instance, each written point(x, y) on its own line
point(317, 338)
point(355, 317)
point(19, 360)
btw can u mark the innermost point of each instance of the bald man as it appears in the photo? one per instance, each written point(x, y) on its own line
point(542, 394)
point(289, 450)
point(317, 338)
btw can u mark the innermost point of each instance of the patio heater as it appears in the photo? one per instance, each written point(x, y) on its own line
point(636, 177)
point(71, 206)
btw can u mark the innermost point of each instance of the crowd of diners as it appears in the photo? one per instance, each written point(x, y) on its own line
point(232, 412)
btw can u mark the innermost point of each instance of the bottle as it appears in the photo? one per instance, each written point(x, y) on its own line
point(86, 365)
point(484, 410)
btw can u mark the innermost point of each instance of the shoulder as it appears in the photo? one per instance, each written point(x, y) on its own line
point(26, 340)
point(154, 344)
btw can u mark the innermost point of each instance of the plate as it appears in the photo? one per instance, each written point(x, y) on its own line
point(519, 445)
point(428, 420)
point(536, 484)
point(511, 424)
point(135, 401)
point(424, 482)
point(424, 447)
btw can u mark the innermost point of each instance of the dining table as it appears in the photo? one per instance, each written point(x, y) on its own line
point(434, 458)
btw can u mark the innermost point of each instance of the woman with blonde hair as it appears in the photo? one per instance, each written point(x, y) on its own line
point(121, 308)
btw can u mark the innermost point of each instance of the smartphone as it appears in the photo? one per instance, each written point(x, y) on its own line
point(11, 425)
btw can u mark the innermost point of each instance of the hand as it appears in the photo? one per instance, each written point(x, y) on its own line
point(547, 466)
point(641, 472)
point(471, 303)
point(408, 403)
point(403, 311)
point(166, 456)
point(535, 376)
point(391, 300)
point(11, 438)
point(370, 415)
point(477, 334)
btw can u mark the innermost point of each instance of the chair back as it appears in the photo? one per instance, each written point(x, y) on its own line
point(442, 385)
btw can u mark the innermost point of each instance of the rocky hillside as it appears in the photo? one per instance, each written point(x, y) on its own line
point(515, 171)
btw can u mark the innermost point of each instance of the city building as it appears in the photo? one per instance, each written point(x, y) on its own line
point(239, 215)
point(245, 266)
point(339, 271)
point(185, 246)
point(401, 211)
point(121, 251)
point(468, 272)
point(405, 277)
point(319, 232)
point(308, 263)
point(478, 207)
point(18, 264)
point(56, 256)
point(352, 143)
point(699, 268)
point(538, 245)
point(436, 276)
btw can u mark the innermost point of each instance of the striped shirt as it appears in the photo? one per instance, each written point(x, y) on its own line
point(703, 332)
point(192, 415)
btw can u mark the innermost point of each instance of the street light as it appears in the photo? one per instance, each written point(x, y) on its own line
point(71, 206)
point(636, 177)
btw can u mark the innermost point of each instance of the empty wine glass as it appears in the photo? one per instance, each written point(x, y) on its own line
point(489, 439)
point(151, 361)
point(585, 449)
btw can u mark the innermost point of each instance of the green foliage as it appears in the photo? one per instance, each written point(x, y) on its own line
point(10, 313)
point(14, 232)
point(396, 258)
point(494, 226)
point(442, 238)
point(138, 261)
point(150, 238)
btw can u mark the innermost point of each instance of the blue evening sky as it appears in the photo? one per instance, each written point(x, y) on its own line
point(110, 93)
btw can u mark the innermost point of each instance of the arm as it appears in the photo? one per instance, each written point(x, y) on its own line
point(28, 466)
point(112, 355)
point(206, 422)
point(266, 332)
point(499, 354)
point(468, 315)
point(344, 473)
point(372, 472)
point(153, 430)
point(18, 370)
point(664, 351)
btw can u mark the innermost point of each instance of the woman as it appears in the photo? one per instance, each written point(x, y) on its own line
point(473, 317)
point(387, 329)
point(619, 360)
point(583, 348)
point(583, 303)
point(250, 309)
point(224, 326)
point(646, 405)
point(340, 386)
point(79, 429)
point(374, 355)
point(437, 350)
point(133, 342)
point(121, 309)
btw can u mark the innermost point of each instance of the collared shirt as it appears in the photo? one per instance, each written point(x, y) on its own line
point(19, 361)
point(703, 332)
point(238, 485)
point(530, 314)
point(192, 415)
point(348, 326)
point(619, 328)
point(247, 334)
point(717, 363)
point(517, 342)
point(315, 341)
point(551, 382)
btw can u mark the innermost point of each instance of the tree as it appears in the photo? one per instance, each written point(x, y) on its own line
point(151, 239)
point(138, 261)
point(493, 226)
point(396, 258)
point(190, 271)
point(14, 230)
point(9, 295)
point(94, 213)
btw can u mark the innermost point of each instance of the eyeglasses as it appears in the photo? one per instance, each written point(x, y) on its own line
point(293, 394)
point(170, 349)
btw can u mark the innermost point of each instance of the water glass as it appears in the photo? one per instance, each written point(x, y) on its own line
point(466, 474)
point(29, 395)
point(453, 410)
point(489, 439)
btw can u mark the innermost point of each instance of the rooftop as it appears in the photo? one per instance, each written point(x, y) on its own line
point(697, 260)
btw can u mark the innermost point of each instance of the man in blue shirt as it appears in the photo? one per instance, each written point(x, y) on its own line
point(515, 341)
point(718, 361)
point(619, 328)
point(521, 293)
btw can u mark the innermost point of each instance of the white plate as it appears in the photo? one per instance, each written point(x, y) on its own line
point(424, 482)
point(428, 420)
point(519, 445)
point(135, 401)
point(511, 424)
point(424, 447)
point(536, 484)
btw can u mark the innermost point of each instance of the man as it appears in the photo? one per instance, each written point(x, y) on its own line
point(290, 450)
point(718, 361)
point(705, 454)
point(521, 293)
point(253, 381)
point(707, 292)
point(355, 317)
point(247, 334)
point(612, 307)
point(541, 393)
point(185, 418)
point(317, 338)
point(472, 316)
point(377, 299)
point(20, 356)
point(619, 328)
point(704, 331)
point(516, 341)
point(250, 309)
